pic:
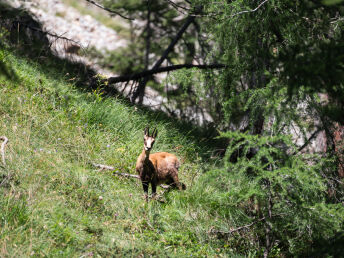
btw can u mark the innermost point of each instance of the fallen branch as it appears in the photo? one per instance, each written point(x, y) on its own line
point(2, 150)
point(106, 167)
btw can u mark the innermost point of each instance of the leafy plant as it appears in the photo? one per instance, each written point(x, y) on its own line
point(272, 197)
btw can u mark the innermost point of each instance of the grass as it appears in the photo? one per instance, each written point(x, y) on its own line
point(54, 203)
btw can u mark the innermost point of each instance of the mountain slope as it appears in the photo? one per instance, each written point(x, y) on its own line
point(55, 203)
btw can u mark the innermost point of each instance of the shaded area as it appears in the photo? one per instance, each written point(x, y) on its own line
point(6, 71)
point(323, 247)
point(25, 36)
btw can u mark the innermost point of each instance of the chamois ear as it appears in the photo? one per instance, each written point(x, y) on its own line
point(155, 133)
point(146, 131)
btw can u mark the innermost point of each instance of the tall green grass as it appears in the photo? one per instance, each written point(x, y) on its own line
point(55, 203)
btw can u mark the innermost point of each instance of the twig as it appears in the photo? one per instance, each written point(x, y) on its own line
point(250, 11)
point(109, 10)
point(178, 6)
point(212, 14)
point(2, 150)
point(106, 167)
point(237, 229)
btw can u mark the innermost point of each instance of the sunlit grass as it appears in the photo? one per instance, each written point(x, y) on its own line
point(54, 203)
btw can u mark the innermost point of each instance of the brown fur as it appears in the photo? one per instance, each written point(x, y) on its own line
point(158, 168)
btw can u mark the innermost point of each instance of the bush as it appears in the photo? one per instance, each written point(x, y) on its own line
point(273, 199)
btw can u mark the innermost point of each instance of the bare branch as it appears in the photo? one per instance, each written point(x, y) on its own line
point(2, 149)
point(109, 10)
point(137, 76)
point(236, 229)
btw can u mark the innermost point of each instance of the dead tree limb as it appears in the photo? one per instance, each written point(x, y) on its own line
point(2, 149)
point(138, 76)
point(106, 167)
point(108, 10)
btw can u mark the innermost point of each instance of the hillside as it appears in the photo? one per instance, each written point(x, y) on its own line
point(264, 179)
point(55, 203)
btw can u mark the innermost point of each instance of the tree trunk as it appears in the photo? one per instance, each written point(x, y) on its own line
point(148, 45)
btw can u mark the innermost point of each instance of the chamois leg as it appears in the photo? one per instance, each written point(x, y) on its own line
point(176, 183)
point(153, 190)
point(145, 189)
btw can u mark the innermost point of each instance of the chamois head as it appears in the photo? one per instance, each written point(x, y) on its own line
point(149, 139)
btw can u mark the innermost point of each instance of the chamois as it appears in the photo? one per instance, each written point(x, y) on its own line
point(157, 168)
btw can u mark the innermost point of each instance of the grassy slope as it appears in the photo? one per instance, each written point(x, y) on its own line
point(53, 202)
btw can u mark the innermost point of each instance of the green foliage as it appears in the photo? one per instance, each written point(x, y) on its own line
point(264, 186)
point(292, 44)
point(55, 203)
point(331, 2)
